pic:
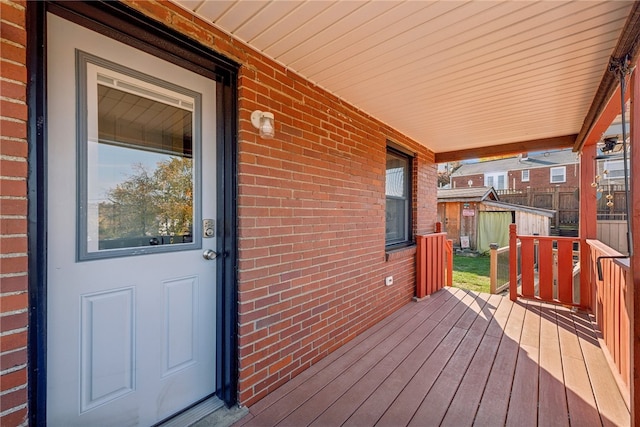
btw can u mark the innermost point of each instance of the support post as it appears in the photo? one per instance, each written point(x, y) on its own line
point(588, 226)
point(513, 263)
point(493, 267)
point(634, 262)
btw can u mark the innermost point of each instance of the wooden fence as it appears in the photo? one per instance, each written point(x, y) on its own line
point(564, 200)
point(434, 263)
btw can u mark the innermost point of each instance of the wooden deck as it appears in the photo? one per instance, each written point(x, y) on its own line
point(457, 359)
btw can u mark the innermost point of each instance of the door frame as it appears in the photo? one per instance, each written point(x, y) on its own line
point(122, 23)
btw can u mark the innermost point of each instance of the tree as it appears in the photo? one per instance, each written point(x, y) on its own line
point(147, 204)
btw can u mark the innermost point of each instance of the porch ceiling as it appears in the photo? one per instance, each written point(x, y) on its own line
point(453, 75)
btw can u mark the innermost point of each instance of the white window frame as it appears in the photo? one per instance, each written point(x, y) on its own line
point(525, 175)
point(563, 169)
point(495, 178)
point(614, 165)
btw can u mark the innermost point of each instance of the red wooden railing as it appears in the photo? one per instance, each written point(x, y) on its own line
point(612, 304)
point(545, 267)
point(434, 263)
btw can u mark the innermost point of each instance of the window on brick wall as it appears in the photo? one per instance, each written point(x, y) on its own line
point(558, 175)
point(525, 175)
point(398, 195)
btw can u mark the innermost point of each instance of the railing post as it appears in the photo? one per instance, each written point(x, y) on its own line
point(438, 227)
point(513, 263)
point(421, 267)
point(493, 267)
point(449, 262)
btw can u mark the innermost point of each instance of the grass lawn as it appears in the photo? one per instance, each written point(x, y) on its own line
point(471, 273)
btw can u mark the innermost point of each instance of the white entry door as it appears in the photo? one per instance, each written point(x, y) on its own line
point(131, 208)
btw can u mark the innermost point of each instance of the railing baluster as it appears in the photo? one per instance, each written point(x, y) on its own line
point(545, 269)
point(565, 271)
point(527, 264)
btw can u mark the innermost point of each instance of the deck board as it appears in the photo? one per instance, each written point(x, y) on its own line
point(457, 358)
point(495, 398)
point(523, 405)
point(552, 409)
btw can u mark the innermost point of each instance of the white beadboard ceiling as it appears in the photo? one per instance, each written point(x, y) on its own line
point(453, 75)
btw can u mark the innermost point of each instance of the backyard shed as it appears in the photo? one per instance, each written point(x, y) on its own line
point(474, 217)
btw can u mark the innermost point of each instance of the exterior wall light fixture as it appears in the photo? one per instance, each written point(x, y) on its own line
point(264, 122)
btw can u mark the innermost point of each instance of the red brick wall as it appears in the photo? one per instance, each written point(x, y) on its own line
point(541, 178)
point(13, 215)
point(311, 217)
point(311, 203)
point(538, 178)
point(463, 181)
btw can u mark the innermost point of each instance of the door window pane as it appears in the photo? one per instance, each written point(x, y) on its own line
point(138, 175)
point(144, 187)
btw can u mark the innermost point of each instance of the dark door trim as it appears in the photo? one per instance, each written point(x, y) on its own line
point(118, 21)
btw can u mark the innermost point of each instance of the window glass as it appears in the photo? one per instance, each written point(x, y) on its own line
point(398, 198)
point(138, 180)
point(525, 175)
point(495, 180)
point(558, 174)
point(614, 169)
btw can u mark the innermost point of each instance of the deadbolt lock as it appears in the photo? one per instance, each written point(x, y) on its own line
point(208, 228)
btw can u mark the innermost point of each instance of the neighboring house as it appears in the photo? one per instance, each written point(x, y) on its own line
point(475, 218)
point(541, 170)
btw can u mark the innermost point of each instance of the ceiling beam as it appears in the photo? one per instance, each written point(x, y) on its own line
point(608, 115)
point(543, 144)
point(628, 47)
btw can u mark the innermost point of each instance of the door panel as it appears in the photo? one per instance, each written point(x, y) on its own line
point(131, 300)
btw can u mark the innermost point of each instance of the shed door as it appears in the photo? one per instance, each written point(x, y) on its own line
point(131, 185)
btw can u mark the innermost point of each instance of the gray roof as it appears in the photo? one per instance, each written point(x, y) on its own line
point(475, 194)
point(553, 158)
point(511, 207)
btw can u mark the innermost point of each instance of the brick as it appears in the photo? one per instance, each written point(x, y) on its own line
point(12, 245)
point(13, 14)
point(12, 359)
point(13, 90)
point(13, 302)
point(13, 110)
point(13, 399)
point(13, 265)
point(14, 169)
point(15, 72)
point(14, 321)
point(13, 284)
point(13, 207)
point(13, 129)
point(13, 53)
point(13, 380)
point(14, 341)
point(15, 34)
point(14, 418)
point(13, 226)
point(13, 148)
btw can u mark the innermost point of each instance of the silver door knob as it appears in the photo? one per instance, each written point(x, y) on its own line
point(209, 254)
